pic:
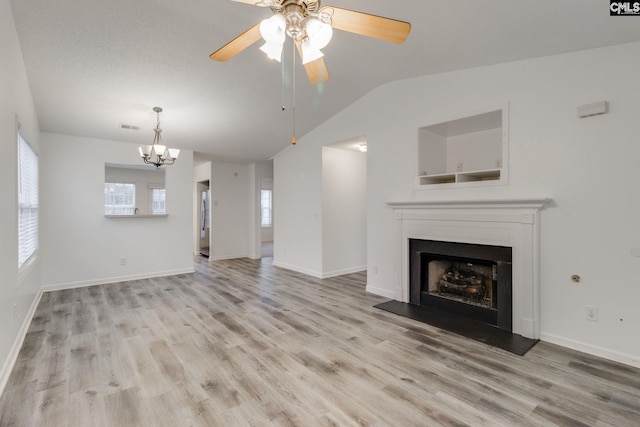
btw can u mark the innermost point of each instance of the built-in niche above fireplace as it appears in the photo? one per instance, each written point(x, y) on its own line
point(470, 280)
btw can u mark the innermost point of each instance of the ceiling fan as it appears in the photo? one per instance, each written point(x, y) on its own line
point(311, 27)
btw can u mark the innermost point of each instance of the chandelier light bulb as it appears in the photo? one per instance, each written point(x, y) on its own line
point(319, 33)
point(173, 153)
point(145, 150)
point(160, 149)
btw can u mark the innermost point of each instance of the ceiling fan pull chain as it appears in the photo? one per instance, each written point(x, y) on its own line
point(293, 65)
point(282, 78)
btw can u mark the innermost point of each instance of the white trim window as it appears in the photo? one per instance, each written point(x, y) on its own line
point(266, 197)
point(157, 200)
point(119, 198)
point(27, 201)
point(266, 202)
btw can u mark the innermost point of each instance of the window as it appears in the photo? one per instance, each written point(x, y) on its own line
point(157, 201)
point(266, 197)
point(27, 201)
point(119, 198)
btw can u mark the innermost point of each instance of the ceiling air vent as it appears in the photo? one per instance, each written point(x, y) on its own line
point(130, 127)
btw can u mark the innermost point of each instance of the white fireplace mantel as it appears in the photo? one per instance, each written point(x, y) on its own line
point(513, 223)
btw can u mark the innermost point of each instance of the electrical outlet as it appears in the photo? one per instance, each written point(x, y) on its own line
point(591, 313)
point(123, 261)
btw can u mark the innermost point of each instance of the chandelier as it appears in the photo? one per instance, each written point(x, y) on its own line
point(157, 154)
point(313, 31)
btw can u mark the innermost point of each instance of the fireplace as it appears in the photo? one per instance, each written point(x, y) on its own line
point(470, 280)
point(507, 223)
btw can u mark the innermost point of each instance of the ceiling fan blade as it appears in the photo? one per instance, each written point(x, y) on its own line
point(386, 29)
point(255, 2)
point(316, 70)
point(238, 44)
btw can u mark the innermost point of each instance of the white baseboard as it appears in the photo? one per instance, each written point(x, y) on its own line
point(226, 257)
point(17, 344)
point(594, 350)
point(380, 291)
point(344, 271)
point(297, 269)
point(117, 279)
point(318, 275)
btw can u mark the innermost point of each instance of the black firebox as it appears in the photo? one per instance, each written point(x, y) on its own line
point(470, 280)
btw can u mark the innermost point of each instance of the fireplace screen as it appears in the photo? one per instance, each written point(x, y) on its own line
point(469, 281)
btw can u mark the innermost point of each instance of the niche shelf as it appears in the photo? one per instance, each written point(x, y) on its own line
point(468, 150)
point(453, 178)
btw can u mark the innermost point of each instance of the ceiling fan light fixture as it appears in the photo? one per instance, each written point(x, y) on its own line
point(273, 51)
point(272, 29)
point(310, 53)
point(303, 20)
point(318, 32)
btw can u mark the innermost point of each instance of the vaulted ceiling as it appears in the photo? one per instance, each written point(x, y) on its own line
point(95, 65)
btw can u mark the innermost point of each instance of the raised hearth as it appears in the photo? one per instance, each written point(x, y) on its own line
point(505, 223)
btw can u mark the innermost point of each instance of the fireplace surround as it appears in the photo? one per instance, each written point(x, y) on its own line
point(510, 223)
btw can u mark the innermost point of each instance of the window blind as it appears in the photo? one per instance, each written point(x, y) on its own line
point(265, 207)
point(158, 201)
point(27, 201)
point(119, 198)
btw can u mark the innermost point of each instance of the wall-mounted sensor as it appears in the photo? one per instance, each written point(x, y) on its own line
point(594, 109)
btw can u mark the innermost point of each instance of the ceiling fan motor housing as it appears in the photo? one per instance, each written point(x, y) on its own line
point(295, 15)
point(296, 12)
point(310, 6)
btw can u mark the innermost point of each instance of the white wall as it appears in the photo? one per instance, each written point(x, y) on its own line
point(587, 166)
point(79, 245)
point(432, 153)
point(17, 296)
point(230, 207)
point(464, 149)
point(297, 180)
point(344, 211)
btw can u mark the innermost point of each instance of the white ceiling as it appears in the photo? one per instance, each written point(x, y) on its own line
point(94, 65)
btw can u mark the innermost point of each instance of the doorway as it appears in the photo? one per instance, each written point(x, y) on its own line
point(266, 217)
point(204, 218)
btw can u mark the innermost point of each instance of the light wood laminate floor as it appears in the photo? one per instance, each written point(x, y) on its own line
point(241, 343)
